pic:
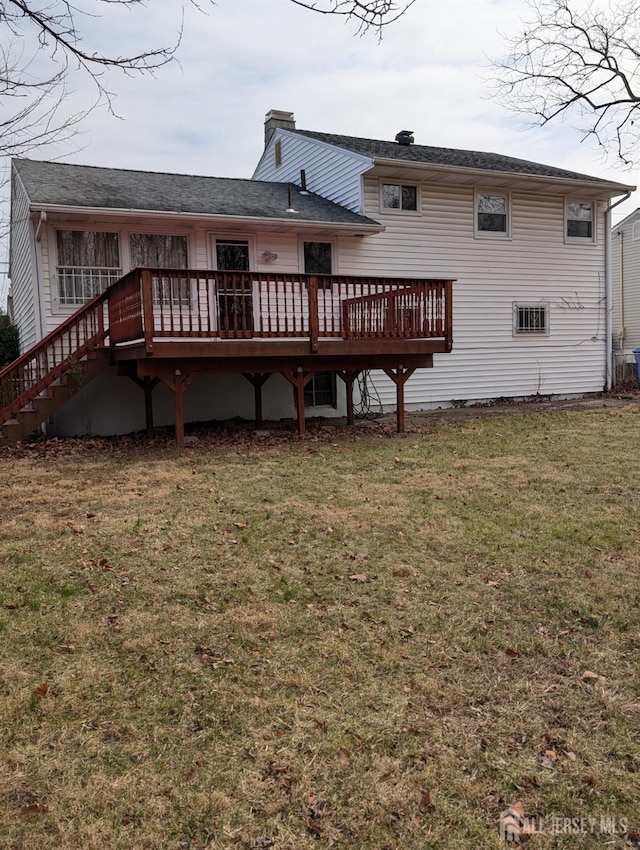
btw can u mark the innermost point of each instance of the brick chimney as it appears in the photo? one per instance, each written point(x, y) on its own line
point(276, 118)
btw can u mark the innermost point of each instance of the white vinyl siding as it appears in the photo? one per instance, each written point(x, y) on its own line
point(22, 266)
point(487, 361)
point(331, 172)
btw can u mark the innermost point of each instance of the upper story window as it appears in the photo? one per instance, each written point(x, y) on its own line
point(635, 231)
point(579, 220)
point(492, 213)
point(399, 196)
point(88, 262)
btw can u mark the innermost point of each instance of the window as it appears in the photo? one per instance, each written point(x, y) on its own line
point(531, 318)
point(158, 251)
point(318, 259)
point(235, 303)
point(88, 262)
point(232, 255)
point(579, 216)
point(162, 251)
point(635, 232)
point(277, 148)
point(321, 391)
point(396, 196)
point(492, 213)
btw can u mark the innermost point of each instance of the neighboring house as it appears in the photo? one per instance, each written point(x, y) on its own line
point(337, 260)
point(625, 273)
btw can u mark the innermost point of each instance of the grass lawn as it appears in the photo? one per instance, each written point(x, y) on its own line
point(352, 641)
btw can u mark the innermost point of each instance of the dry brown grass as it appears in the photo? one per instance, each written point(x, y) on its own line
point(354, 641)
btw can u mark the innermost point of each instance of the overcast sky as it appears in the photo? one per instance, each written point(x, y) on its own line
point(205, 113)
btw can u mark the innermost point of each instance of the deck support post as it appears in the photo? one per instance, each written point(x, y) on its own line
point(178, 393)
point(400, 376)
point(177, 383)
point(257, 380)
point(349, 376)
point(147, 384)
point(299, 379)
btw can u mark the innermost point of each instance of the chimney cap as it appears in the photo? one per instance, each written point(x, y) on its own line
point(277, 118)
point(405, 137)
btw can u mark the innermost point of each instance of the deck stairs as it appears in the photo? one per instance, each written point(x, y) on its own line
point(46, 376)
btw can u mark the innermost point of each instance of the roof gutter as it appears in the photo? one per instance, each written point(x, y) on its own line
point(290, 220)
point(608, 289)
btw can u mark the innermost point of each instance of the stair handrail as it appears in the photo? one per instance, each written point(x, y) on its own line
point(41, 378)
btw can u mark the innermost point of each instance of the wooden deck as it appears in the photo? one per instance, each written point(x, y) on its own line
point(172, 324)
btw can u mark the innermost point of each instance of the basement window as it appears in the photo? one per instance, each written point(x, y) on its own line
point(321, 391)
point(399, 196)
point(531, 319)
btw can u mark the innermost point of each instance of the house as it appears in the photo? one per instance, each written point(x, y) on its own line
point(443, 276)
point(625, 273)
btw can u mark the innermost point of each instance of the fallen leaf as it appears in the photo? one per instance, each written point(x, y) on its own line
point(33, 809)
point(240, 524)
point(313, 827)
point(491, 583)
point(511, 821)
point(359, 577)
point(589, 675)
point(512, 653)
point(426, 801)
point(41, 690)
point(343, 756)
point(78, 529)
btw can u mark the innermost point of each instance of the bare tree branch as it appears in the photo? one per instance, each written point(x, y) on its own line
point(578, 62)
point(370, 14)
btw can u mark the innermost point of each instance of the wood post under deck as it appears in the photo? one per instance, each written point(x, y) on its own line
point(177, 382)
point(147, 385)
point(400, 376)
point(258, 380)
point(299, 380)
point(349, 376)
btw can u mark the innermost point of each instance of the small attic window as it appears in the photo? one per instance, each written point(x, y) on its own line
point(635, 232)
point(277, 152)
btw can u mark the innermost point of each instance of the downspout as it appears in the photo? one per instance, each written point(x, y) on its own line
point(608, 292)
point(621, 331)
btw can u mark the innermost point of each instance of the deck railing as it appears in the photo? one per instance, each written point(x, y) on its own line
point(174, 303)
point(36, 369)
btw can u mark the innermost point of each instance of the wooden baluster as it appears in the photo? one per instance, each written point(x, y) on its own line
point(312, 292)
point(146, 283)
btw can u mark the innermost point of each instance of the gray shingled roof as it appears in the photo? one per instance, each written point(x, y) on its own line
point(112, 188)
point(426, 155)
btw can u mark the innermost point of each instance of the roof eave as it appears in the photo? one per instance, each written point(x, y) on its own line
point(599, 186)
point(290, 220)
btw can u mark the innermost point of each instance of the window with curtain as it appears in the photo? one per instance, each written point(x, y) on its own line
point(158, 251)
point(88, 261)
point(162, 251)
